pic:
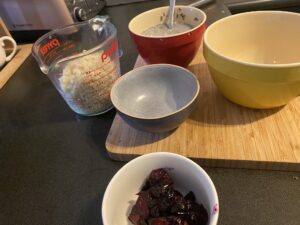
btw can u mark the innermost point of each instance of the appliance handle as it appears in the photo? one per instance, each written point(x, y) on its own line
point(201, 3)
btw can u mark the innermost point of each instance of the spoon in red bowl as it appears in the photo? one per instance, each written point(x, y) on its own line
point(171, 14)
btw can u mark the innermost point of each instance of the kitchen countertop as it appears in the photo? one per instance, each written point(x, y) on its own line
point(54, 168)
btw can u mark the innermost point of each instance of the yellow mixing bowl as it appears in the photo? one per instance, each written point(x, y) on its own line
point(254, 57)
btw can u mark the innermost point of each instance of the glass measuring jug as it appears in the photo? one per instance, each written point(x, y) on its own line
point(82, 61)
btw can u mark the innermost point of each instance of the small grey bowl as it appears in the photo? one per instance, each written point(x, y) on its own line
point(155, 98)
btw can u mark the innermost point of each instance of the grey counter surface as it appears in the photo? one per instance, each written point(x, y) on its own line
point(54, 168)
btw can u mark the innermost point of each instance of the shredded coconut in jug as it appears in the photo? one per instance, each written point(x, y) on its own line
point(87, 81)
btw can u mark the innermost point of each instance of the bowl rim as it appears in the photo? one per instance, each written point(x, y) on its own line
point(167, 36)
point(129, 73)
point(213, 216)
point(262, 65)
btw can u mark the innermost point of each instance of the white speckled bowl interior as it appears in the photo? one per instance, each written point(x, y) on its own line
point(154, 91)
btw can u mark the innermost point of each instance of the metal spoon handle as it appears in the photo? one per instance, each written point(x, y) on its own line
point(171, 14)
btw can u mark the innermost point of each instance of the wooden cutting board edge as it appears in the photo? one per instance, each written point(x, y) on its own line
point(220, 163)
point(114, 153)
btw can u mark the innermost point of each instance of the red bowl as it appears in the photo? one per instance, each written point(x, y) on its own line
point(178, 49)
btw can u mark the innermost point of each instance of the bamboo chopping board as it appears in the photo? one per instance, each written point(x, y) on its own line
point(219, 133)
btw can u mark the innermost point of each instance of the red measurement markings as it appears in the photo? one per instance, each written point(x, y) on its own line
point(113, 48)
point(111, 60)
point(97, 78)
point(48, 46)
point(58, 52)
point(69, 46)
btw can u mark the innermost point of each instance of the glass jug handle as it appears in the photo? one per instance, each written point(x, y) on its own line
point(100, 20)
point(97, 23)
point(120, 49)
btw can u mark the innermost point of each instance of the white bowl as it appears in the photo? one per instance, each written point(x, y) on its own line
point(120, 194)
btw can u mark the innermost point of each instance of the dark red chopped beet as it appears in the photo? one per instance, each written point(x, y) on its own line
point(160, 204)
point(140, 210)
point(159, 221)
